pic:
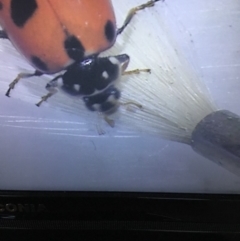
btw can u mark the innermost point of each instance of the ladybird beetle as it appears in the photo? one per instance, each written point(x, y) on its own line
point(56, 35)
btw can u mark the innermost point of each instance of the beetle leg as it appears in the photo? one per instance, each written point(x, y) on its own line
point(100, 130)
point(136, 71)
point(129, 103)
point(52, 84)
point(3, 34)
point(51, 87)
point(129, 72)
point(21, 76)
point(45, 97)
point(110, 121)
point(133, 11)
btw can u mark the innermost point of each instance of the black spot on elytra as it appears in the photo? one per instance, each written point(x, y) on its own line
point(39, 63)
point(1, 5)
point(22, 11)
point(74, 48)
point(110, 31)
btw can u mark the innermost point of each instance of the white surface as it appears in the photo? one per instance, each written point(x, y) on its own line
point(56, 147)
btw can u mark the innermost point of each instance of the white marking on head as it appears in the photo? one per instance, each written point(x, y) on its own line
point(105, 75)
point(113, 60)
point(76, 87)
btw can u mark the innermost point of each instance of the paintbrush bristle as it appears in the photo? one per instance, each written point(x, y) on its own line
point(173, 98)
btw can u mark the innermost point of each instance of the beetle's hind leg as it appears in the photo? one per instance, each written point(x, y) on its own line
point(21, 76)
point(133, 11)
point(108, 120)
point(130, 72)
point(51, 87)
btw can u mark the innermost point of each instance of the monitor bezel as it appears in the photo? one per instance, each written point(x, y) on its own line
point(216, 213)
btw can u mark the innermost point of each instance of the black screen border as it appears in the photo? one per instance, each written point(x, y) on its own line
point(167, 212)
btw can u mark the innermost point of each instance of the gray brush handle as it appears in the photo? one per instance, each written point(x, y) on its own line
point(217, 137)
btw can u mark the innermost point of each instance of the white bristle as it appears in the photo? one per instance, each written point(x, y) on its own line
point(172, 96)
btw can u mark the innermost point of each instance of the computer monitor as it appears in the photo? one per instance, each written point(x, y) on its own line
point(63, 165)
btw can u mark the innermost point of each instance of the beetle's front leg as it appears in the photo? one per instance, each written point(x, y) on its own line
point(52, 89)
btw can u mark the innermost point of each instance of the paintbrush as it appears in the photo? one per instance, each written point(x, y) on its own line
point(175, 103)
